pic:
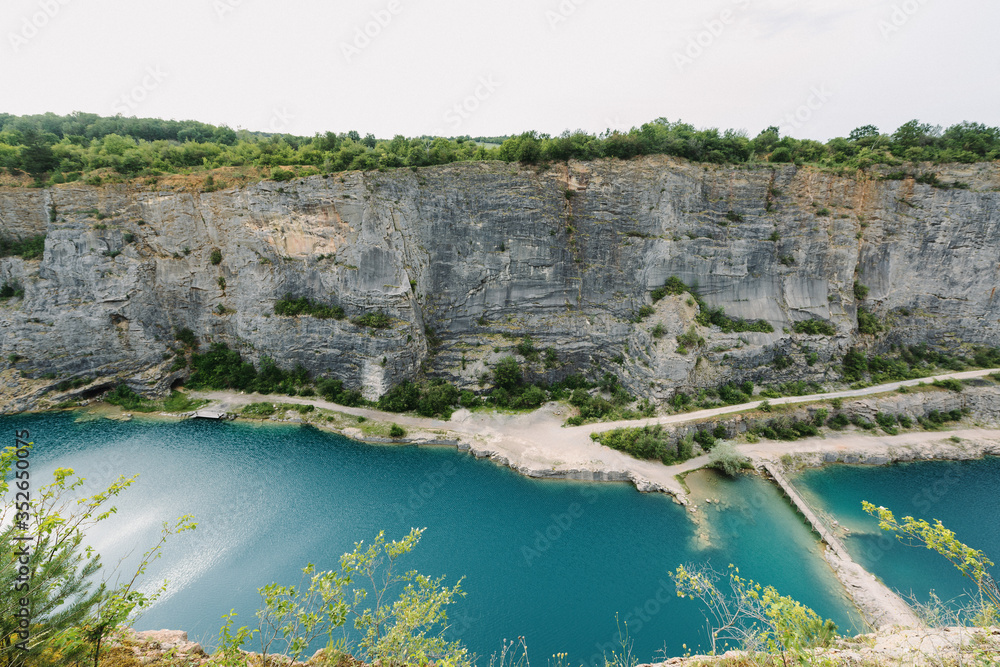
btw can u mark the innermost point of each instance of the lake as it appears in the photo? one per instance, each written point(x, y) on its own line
point(551, 561)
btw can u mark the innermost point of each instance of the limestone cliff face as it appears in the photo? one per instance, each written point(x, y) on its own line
point(468, 258)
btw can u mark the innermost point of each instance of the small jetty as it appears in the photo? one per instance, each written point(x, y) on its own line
point(209, 413)
point(829, 538)
point(880, 606)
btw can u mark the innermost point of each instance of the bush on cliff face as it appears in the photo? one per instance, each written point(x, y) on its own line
point(27, 248)
point(289, 306)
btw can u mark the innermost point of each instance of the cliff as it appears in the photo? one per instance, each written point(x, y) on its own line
point(467, 258)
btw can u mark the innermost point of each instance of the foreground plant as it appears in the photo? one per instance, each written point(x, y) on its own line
point(70, 612)
point(395, 629)
point(972, 563)
point(753, 616)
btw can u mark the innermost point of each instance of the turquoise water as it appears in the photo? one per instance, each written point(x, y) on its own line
point(964, 495)
point(553, 562)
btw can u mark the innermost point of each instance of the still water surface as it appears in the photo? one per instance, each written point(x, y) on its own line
point(963, 495)
point(553, 562)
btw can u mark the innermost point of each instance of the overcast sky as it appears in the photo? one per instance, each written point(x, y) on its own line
point(817, 69)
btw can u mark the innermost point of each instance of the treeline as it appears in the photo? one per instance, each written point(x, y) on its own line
point(56, 149)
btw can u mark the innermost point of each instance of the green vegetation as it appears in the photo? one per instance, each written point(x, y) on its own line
point(73, 608)
point(216, 257)
point(726, 394)
point(869, 324)
point(910, 362)
point(972, 563)
point(289, 306)
point(258, 410)
point(28, 248)
point(223, 368)
point(753, 616)
point(707, 316)
point(610, 404)
point(860, 291)
point(11, 290)
point(84, 146)
point(648, 442)
point(333, 391)
point(949, 383)
point(376, 320)
point(401, 617)
point(815, 327)
point(397, 431)
point(673, 286)
point(436, 398)
point(785, 428)
point(124, 397)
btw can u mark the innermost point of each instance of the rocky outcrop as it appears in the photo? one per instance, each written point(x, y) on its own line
point(467, 258)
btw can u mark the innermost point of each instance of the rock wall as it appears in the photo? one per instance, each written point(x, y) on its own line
point(468, 258)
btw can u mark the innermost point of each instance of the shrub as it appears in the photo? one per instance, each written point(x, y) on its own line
point(838, 422)
point(887, 422)
point(705, 438)
point(124, 397)
point(659, 330)
point(728, 460)
point(860, 291)
point(643, 313)
point(31, 247)
point(292, 307)
point(690, 339)
point(717, 317)
point(526, 348)
point(868, 323)
point(187, 337)
point(258, 410)
point(648, 442)
point(855, 365)
point(733, 216)
point(950, 384)
point(278, 174)
point(397, 431)
point(376, 320)
point(507, 374)
point(216, 257)
point(814, 327)
point(11, 289)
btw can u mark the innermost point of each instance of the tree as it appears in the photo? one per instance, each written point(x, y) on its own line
point(44, 599)
point(37, 157)
point(507, 374)
point(396, 630)
point(864, 132)
point(972, 563)
point(755, 616)
point(69, 613)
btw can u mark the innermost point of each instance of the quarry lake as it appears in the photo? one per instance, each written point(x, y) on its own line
point(963, 495)
point(553, 562)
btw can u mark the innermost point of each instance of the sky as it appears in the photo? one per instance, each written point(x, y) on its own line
point(494, 67)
